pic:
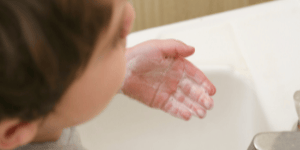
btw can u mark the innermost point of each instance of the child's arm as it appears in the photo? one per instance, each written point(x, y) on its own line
point(159, 76)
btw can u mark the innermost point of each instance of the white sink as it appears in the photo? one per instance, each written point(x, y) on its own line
point(129, 125)
point(251, 55)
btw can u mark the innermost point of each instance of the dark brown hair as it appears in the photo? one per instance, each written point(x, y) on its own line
point(43, 45)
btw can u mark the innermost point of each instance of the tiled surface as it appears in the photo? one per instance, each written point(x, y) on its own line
point(152, 13)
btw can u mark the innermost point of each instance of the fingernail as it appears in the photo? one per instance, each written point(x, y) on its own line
point(212, 103)
point(191, 47)
point(207, 103)
point(201, 113)
point(186, 115)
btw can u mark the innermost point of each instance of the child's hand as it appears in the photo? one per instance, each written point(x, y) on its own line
point(159, 76)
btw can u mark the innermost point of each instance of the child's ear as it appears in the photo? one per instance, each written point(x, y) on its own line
point(14, 133)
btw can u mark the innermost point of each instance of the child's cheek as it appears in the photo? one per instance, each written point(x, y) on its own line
point(125, 31)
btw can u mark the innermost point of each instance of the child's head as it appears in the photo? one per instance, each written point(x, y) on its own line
point(61, 61)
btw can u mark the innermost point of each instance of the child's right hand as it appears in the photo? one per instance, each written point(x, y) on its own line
point(159, 76)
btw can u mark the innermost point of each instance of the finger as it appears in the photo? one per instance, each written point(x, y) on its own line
point(199, 95)
point(198, 76)
point(206, 101)
point(193, 106)
point(196, 93)
point(177, 109)
point(175, 48)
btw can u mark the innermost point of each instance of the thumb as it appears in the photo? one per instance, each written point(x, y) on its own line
point(175, 48)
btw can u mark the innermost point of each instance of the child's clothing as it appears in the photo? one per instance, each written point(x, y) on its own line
point(69, 140)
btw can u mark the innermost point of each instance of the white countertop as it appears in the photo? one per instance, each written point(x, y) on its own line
point(261, 42)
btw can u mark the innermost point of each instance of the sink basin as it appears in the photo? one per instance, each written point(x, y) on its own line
point(128, 124)
point(249, 54)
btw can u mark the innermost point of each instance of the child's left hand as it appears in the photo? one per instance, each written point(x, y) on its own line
point(159, 76)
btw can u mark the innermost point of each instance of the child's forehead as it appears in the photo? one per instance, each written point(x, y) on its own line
point(110, 33)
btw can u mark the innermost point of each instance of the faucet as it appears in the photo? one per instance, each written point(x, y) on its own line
point(297, 104)
point(276, 141)
point(279, 140)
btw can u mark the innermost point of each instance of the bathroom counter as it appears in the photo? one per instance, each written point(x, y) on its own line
point(261, 43)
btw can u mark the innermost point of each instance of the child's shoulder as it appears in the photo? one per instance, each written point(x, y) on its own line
point(69, 140)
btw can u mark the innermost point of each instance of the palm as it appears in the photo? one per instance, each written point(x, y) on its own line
point(159, 76)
